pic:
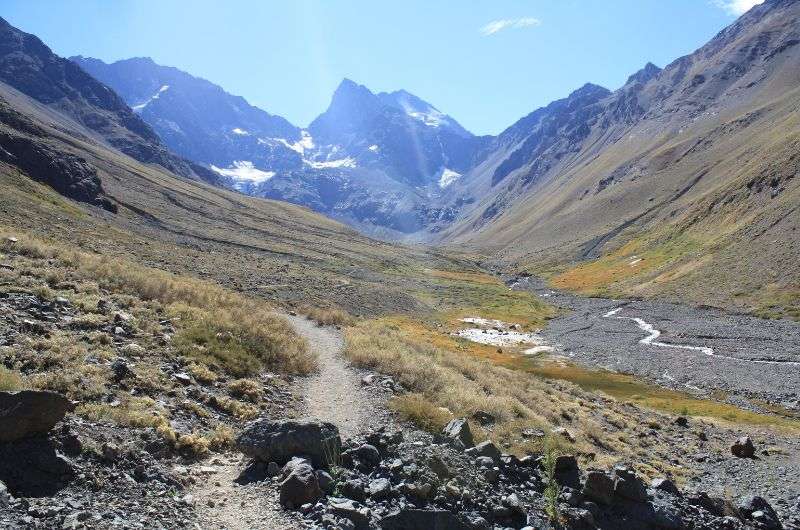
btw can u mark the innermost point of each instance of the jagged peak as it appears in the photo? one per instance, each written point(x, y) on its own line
point(589, 89)
point(645, 74)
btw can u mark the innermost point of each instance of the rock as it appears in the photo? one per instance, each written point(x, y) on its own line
point(564, 433)
point(681, 421)
point(666, 485)
point(280, 440)
point(30, 413)
point(380, 488)
point(352, 511)
point(299, 485)
point(110, 452)
point(488, 448)
point(439, 466)
point(491, 474)
point(484, 462)
point(758, 509)
point(567, 471)
point(533, 433)
point(366, 454)
point(32, 467)
point(353, 489)
point(483, 417)
point(599, 487)
point(183, 378)
point(121, 370)
point(628, 486)
point(743, 448)
point(459, 432)
point(5, 497)
point(273, 469)
point(326, 482)
point(410, 519)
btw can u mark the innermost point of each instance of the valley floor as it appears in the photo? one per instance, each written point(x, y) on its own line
point(752, 362)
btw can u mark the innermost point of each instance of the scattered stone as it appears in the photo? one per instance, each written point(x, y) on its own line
point(758, 509)
point(564, 433)
point(666, 485)
point(121, 370)
point(5, 497)
point(326, 482)
point(488, 449)
point(681, 421)
point(183, 378)
point(380, 488)
point(30, 413)
point(352, 511)
point(299, 485)
point(743, 448)
point(628, 486)
point(410, 519)
point(366, 454)
point(439, 466)
point(459, 432)
point(280, 440)
point(483, 417)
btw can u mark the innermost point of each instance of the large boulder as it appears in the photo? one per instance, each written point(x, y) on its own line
point(410, 519)
point(757, 509)
point(29, 413)
point(459, 433)
point(280, 440)
point(299, 484)
point(629, 486)
point(599, 487)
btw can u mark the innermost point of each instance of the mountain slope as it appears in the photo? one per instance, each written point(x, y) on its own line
point(374, 161)
point(195, 118)
point(693, 167)
point(29, 66)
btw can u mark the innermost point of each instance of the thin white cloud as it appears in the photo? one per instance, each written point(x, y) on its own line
point(505, 23)
point(737, 7)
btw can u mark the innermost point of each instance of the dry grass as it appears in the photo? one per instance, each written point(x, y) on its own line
point(445, 384)
point(218, 327)
point(246, 389)
point(10, 380)
point(417, 409)
point(327, 316)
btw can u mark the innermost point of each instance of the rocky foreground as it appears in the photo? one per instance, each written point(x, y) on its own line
point(63, 476)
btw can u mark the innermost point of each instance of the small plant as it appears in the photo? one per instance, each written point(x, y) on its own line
point(10, 380)
point(333, 460)
point(246, 389)
point(552, 490)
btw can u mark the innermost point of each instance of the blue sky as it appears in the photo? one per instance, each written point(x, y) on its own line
point(486, 63)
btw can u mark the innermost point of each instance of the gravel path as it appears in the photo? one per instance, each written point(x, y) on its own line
point(698, 349)
point(334, 394)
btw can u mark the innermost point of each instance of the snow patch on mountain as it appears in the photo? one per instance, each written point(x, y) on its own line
point(151, 99)
point(373, 148)
point(342, 162)
point(447, 176)
point(243, 171)
point(305, 143)
point(240, 132)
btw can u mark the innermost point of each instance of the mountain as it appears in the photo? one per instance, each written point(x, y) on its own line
point(374, 161)
point(198, 119)
point(690, 170)
point(29, 66)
